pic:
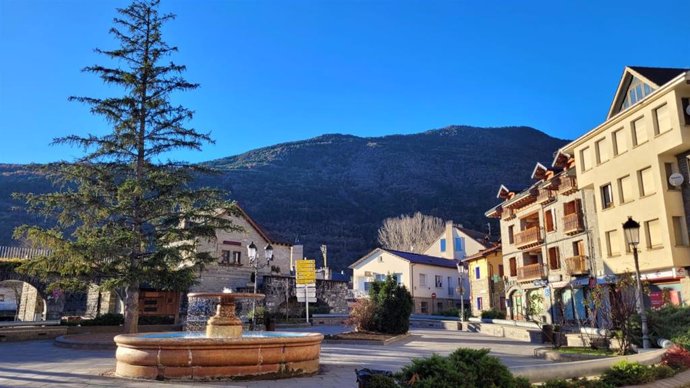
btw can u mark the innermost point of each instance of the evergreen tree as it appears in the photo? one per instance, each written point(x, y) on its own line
point(124, 216)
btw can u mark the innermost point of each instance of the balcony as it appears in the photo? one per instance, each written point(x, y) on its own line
point(577, 265)
point(528, 238)
point(545, 196)
point(568, 185)
point(508, 214)
point(531, 272)
point(573, 223)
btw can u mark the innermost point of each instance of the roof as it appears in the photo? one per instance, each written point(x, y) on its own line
point(259, 229)
point(484, 253)
point(477, 236)
point(423, 259)
point(659, 75)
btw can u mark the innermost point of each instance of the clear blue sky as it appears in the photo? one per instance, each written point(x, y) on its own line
point(276, 71)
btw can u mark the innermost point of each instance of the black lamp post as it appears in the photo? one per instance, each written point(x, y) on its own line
point(252, 253)
point(632, 238)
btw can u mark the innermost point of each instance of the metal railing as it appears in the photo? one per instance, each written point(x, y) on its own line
point(530, 271)
point(22, 252)
point(528, 237)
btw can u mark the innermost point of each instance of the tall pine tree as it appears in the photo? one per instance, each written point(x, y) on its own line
point(124, 217)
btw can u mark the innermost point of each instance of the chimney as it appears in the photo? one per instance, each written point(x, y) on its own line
point(450, 242)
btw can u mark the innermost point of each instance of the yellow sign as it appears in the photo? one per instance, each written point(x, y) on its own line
point(306, 271)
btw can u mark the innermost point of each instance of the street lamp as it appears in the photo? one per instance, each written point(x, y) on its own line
point(461, 290)
point(631, 228)
point(252, 253)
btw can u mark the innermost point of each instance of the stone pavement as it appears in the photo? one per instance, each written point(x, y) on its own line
point(40, 364)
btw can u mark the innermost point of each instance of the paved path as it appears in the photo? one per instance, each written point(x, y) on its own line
point(40, 364)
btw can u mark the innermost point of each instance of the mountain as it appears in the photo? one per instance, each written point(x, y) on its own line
point(336, 189)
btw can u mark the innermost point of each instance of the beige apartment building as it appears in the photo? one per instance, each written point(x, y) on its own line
point(626, 162)
point(547, 243)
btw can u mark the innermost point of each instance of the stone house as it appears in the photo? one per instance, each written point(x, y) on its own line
point(485, 273)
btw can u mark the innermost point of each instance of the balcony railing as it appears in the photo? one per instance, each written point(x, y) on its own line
point(528, 238)
point(530, 271)
point(573, 223)
point(568, 185)
point(577, 265)
point(546, 196)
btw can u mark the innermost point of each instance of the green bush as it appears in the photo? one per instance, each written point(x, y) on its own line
point(109, 319)
point(493, 314)
point(669, 322)
point(382, 381)
point(628, 373)
point(393, 306)
point(462, 368)
point(575, 383)
point(156, 320)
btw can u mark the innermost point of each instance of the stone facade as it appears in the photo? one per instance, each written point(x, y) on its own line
point(232, 268)
point(331, 293)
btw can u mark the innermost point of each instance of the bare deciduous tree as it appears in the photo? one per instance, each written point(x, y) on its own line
point(410, 233)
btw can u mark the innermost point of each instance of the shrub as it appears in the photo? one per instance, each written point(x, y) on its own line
point(493, 314)
point(627, 373)
point(575, 383)
point(382, 381)
point(362, 315)
point(109, 319)
point(677, 357)
point(393, 306)
point(462, 368)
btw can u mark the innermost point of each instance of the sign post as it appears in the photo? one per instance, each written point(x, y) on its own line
point(306, 282)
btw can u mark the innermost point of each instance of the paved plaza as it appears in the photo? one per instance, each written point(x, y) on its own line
point(40, 364)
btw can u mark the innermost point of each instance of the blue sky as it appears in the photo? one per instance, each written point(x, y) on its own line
point(276, 71)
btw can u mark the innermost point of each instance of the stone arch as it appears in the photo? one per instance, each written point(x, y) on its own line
point(516, 303)
point(52, 303)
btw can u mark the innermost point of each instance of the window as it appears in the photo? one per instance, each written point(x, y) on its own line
point(479, 303)
point(579, 248)
point(477, 273)
point(636, 92)
point(424, 307)
point(662, 120)
point(512, 262)
point(236, 257)
point(511, 234)
point(380, 277)
point(613, 243)
point(620, 144)
point(2, 297)
point(550, 220)
point(653, 229)
point(602, 147)
point(459, 246)
point(443, 245)
point(679, 231)
point(554, 258)
point(398, 278)
point(367, 286)
point(670, 169)
point(625, 189)
point(606, 196)
point(500, 270)
point(647, 186)
point(639, 130)
point(439, 281)
point(449, 284)
point(422, 279)
point(586, 159)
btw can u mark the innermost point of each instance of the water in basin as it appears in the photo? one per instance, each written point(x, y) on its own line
point(251, 334)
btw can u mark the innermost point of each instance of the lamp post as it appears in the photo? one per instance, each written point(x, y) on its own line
point(252, 254)
point(461, 289)
point(631, 228)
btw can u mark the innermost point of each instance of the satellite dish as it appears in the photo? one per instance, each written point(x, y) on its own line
point(676, 179)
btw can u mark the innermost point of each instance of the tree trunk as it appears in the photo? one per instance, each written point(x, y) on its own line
point(132, 308)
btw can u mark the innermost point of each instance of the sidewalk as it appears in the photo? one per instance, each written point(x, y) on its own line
point(680, 380)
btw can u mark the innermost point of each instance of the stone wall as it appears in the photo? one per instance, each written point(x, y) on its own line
point(330, 293)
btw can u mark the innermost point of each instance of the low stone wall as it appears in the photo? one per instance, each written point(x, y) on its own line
point(31, 333)
point(435, 323)
point(568, 370)
point(331, 293)
point(508, 329)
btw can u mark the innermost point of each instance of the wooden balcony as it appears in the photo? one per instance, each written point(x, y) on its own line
point(531, 272)
point(568, 185)
point(528, 238)
point(546, 196)
point(573, 223)
point(577, 265)
point(508, 214)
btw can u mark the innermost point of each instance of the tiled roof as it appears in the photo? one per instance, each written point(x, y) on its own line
point(659, 75)
point(484, 253)
point(424, 259)
point(477, 236)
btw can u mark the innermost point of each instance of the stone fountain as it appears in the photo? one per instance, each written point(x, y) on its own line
point(223, 352)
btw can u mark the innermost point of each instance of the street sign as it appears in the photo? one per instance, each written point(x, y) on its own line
point(433, 295)
point(305, 271)
point(306, 293)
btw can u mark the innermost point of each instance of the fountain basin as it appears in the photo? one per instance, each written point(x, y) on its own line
point(178, 355)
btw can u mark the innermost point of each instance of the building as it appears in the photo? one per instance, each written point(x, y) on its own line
point(626, 162)
point(485, 273)
point(431, 280)
point(232, 268)
point(547, 243)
